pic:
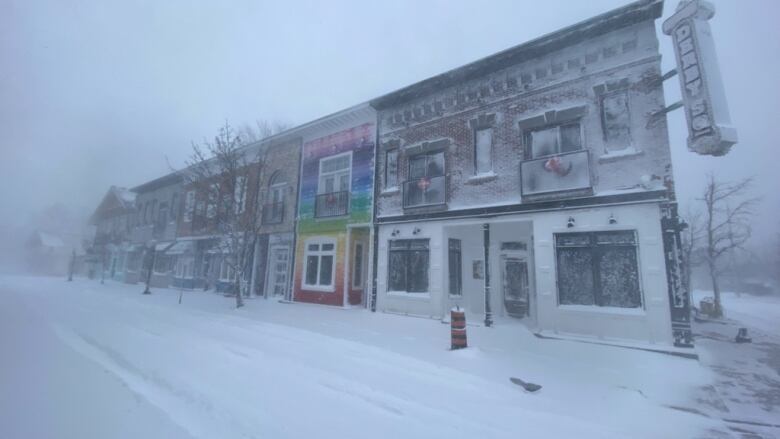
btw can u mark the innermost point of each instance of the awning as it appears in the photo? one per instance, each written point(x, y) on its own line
point(181, 247)
point(163, 246)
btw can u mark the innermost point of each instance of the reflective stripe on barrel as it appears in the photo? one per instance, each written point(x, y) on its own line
point(458, 329)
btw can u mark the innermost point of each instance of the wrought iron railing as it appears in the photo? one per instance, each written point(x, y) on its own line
point(331, 204)
point(425, 191)
point(556, 173)
point(273, 213)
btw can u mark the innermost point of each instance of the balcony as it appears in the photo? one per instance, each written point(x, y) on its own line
point(331, 204)
point(425, 191)
point(273, 213)
point(556, 173)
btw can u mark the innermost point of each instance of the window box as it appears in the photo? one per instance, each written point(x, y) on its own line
point(556, 173)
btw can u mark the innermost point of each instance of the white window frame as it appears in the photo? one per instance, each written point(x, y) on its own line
point(319, 253)
point(557, 126)
point(189, 206)
point(322, 175)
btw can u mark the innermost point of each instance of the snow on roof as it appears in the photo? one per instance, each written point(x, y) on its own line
point(124, 194)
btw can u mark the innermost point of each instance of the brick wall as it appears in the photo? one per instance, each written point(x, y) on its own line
point(570, 78)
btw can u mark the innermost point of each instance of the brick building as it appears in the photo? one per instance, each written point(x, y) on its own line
point(533, 184)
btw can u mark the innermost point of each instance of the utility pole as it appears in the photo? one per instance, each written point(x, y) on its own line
point(150, 268)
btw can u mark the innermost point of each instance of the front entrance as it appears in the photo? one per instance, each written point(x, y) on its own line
point(357, 275)
point(278, 270)
point(514, 278)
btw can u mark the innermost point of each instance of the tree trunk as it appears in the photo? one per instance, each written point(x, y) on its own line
point(718, 309)
point(239, 297)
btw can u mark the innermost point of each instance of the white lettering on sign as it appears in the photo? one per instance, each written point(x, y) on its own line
point(706, 111)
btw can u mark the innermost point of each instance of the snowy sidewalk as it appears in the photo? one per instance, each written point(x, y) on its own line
point(746, 389)
point(288, 370)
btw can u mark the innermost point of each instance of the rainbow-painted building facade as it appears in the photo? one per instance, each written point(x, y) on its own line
point(335, 209)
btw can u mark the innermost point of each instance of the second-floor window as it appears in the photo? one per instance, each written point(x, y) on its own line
point(162, 214)
point(333, 190)
point(239, 195)
point(615, 120)
point(552, 140)
point(273, 210)
point(320, 264)
point(211, 202)
point(483, 150)
point(426, 180)
point(174, 206)
point(189, 206)
point(391, 168)
point(335, 173)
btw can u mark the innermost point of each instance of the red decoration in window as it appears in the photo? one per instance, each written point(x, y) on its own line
point(555, 165)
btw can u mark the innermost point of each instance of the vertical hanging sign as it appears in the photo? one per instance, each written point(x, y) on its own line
point(706, 110)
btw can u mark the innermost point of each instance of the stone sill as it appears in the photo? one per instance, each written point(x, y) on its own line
point(629, 152)
point(481, 178)
point(390, 191)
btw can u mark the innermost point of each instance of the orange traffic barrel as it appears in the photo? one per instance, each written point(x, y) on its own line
point(458, 328)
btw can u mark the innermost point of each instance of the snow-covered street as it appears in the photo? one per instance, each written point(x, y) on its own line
point(83, 360)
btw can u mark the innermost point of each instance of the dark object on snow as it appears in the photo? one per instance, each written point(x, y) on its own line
point(528, 387)
point(742, 336)
point(707, 306)
point(458, 328)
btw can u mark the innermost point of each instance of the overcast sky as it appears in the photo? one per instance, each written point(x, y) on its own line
point(100, 93)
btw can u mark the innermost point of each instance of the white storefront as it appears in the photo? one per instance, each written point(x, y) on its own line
point(526, 279)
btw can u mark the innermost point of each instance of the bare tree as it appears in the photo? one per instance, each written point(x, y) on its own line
point(260, 130)
point(691, 240)
point(727, 214)
point(224, 174)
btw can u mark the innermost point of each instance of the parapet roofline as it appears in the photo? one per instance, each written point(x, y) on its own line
point(628, 15)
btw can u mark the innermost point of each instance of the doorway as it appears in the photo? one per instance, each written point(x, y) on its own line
point(515, 280)
point(278, 270)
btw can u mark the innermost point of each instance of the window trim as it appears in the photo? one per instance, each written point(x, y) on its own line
point(320, 186)
point(557, 124)
point(596, 281)
point(602, 116)
point(443, 175)
point(406, 292)
point(319, 253)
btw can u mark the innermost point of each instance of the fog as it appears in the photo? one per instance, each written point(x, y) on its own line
point(100, 93)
